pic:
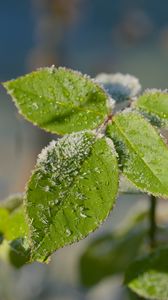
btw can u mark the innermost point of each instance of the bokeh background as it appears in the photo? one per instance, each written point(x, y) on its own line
point(93, 36)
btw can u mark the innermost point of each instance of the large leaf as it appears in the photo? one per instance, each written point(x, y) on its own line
point(148, 276)
point(59, 100)
point(155, 104)
point(143, 155)
point(71, 191)
point(110, 255)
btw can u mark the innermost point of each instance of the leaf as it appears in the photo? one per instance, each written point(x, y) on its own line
point(3, 220)
point(71, 191)
point(155, 104)
point(143, 155)
point(111, 254)
point(59, 100)
point(12, 219)
point(148, 276)
point(13, 228)
point(17, 253)
point(16, 225)
point(120, 87)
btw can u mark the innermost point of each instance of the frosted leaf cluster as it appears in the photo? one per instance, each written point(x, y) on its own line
point(120, 87)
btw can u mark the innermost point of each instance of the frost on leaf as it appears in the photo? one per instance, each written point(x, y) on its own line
point(120, 87)
point(71, 191)
point(59, 100)
point(154, 105)
point(143, 155)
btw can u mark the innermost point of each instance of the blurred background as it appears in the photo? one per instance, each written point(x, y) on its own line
point(93, 36)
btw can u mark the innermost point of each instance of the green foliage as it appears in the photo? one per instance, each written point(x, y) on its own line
point(12, 220)
point(112, 253)
point(68, 194)
point(75, 182)
point(59, 100)
point(16, 252)
point(155, 104)
point(143, 153)
point(148, 276)
point(14, 229)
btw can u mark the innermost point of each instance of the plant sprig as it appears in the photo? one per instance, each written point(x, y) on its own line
point(75, 182)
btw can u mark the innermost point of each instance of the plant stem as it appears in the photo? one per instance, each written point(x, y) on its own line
point(152, 219)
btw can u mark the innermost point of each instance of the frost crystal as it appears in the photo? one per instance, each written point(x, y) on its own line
point(155, 91)
point(61, 160)
point(121, 87)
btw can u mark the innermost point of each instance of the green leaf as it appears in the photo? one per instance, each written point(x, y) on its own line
point(17, 252)
point(16, 225)
point(71, 191)
point(13, 228)
point(143, 155)
point(111, 254)
point(59, 100)
point(148, 276)
point(155, 104)
point(12, 218)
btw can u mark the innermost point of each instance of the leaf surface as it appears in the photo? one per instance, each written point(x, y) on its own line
point(59, 100)
point(12, 219)
point(110, 255)
point(12, 202)
point(71, 191)
point(17, 252)
point(143, 155)
point(155, 104)
point(148, 276)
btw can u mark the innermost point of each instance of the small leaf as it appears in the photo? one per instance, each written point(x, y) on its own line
point(71, 191)
point(120, 87)
point(125, 186)
point(16, 225)
point(111, 254)
point(148, 276)
point(143, 155)
point(154, 103)
point(59, 100)
point(12, 218)
point(3, 220)
point(17, 252)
